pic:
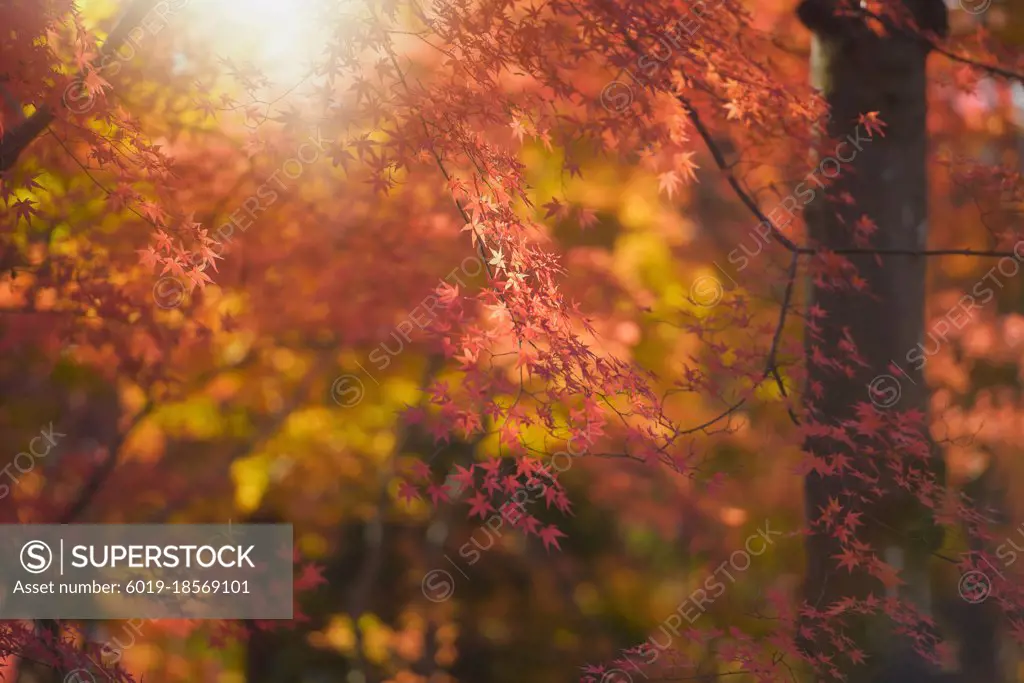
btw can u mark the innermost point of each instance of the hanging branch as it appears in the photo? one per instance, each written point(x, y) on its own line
point(14, 142)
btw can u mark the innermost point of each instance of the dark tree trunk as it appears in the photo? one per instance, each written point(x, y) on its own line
point(860, 72)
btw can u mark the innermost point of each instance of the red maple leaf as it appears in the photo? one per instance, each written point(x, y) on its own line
point(421, 469)
point(407, 491)
point(480, 505)
point(872, 123)
point(437, 492)
point(847, 559)
point(550, 535)
point(312, 575)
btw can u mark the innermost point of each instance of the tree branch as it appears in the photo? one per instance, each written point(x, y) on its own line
point(100, 475)
point(993, 69)
point(21, 136)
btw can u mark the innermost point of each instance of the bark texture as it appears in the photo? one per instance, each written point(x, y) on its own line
point(859, 71)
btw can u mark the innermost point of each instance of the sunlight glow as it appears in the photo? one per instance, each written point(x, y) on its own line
point(281, 38)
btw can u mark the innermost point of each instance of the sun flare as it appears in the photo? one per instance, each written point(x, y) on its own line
point(282, 38)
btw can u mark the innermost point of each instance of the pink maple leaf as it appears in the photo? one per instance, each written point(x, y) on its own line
point(407, 491)
point(550, 535)
point(479, 505)
point(437, 492)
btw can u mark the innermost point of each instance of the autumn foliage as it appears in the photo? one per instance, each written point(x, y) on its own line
point(505, 306)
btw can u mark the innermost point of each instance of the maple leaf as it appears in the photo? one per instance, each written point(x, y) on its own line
point(437, 492)
point(853, 520)
point(847, 559)
point(491, 467)
point(869, 420)
point(83, 57)
point(555, 208)
point(828, 513)
point(198, 278)
point(587, 218)
point(311, 576)
point(407, 491)
point(518, 130)
point(550, 535)
point(30, 183)
point(163, 242)
point(94, 83)
point(381, 183)
point(253, 146)
point(363, 145)
point(291, 118)
point(491, 484)
point(530, 525)
point(467, 358)
point(341, 156)
point(207, 109)
point(526, 358)
point(474, 228)
point(553, 496)
point(421, 469)
point(686, 166)
point(148, 258)
point(669, 183)
point(463, 477)
point(23, 209)
point(497, 259)
point(886, 573)
point(510, 483)
point(173, 266)
point(447, 294)
point(545, 138)
point(865, 227)
point(152, 211)
point(480, 505)
point(872, 123)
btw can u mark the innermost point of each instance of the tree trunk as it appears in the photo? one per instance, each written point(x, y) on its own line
point(860, 72)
